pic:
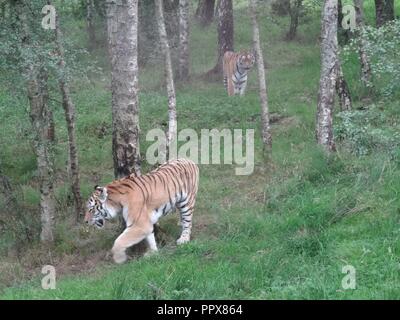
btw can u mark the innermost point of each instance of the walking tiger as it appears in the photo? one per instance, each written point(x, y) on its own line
point(142, 200)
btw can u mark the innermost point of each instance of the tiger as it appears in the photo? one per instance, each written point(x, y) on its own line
point(142, 200)
point(235, 69)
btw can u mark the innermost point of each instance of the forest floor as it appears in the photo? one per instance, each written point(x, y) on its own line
point(284, 232)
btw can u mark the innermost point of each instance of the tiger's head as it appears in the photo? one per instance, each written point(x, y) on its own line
point(97, 211)
point(246, 60)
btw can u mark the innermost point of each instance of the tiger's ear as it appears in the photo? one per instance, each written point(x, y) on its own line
point(101, 193)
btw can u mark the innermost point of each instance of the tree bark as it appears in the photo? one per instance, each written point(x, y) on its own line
point(41, 119)
point(225, 32)
point(42, 122)
point(183, 40)
point(328, 78)
point(90, 24)
point(342, 89)
point(384, 12)
point(265, 124)
point(343, 34)
point(69, 112)
point(205, 12)
point(294, 9)
point(169, 77)
point(365, 64)
point(122, 27)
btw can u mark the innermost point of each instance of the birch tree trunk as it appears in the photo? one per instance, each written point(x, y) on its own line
point(328, 78)
point(225, 32)
point(265, 124)
point(384, 10)
point(122, 27)
point(90, 24)
point(42, 122)
point(169, 77)
point(69, 112)
point(183, 40)
point(365, 64)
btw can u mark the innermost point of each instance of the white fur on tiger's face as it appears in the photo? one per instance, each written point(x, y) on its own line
point(235, 68)
point(97, 210)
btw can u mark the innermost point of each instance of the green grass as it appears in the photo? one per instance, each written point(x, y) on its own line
point(284, 232)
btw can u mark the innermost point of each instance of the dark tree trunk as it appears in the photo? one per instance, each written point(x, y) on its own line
point(90, 23)
point(205, 12)
point(343, 34)
point(365, 64)
point(122, 26)
point(328, 78)
point(342, 89)
point(384, 10)
point(225, 32)
point(69, 112)
point(294, 9)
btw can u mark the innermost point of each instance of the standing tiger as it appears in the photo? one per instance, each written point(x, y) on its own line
point(235, 68)
point(142, 200)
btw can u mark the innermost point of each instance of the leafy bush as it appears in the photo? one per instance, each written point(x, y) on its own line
point(381, 46)
point(363, 131)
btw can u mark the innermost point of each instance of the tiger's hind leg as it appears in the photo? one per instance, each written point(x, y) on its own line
point(186, 214)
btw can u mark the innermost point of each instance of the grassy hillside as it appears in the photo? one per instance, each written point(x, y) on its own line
point(284, 232)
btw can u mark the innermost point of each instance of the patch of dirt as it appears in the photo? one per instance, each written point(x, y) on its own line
point(275, 119)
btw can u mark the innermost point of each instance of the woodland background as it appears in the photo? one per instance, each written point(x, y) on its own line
point(284, 232)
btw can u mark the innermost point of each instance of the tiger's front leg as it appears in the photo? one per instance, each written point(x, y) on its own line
point(131, 236)
point(242, 90)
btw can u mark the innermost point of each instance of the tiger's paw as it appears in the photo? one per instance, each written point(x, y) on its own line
point(119, 257)
point(150, 253)
point(183, 239)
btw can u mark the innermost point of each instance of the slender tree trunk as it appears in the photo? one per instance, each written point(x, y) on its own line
point(225, 32)
point(90, 24)
point(41, 119)
point(69, 112)
point(183, 40)
point(169, 77)
point(342, 89)
point(294, 9)
point(327, 83)
point(265, 125)
point(365, 64)
point(122, 27)
point(384, 10)
point(43, 128)
point(205, 12)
